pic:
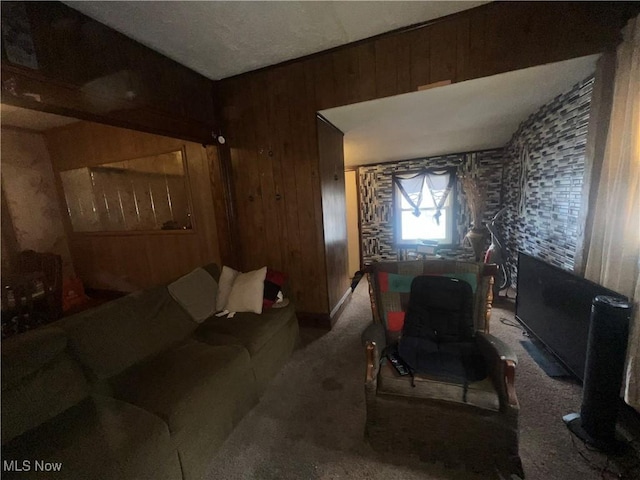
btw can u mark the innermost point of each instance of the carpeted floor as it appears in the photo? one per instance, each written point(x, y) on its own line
point(309, 423)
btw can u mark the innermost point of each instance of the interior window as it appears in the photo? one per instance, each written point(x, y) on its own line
point(142, 194)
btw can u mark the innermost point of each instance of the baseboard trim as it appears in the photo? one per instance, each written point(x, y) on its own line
point(337, 310)
point(324, 320)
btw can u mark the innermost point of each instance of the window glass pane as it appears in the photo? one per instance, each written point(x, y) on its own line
point(424, 227)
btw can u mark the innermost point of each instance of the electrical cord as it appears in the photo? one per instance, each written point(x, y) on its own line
point(511, 323)
point(623, 473)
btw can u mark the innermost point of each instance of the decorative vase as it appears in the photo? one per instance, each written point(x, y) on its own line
point(477, 237)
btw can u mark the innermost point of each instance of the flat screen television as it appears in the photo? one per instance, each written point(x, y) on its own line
point(555, 307)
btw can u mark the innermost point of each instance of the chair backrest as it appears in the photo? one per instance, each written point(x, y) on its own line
point(441, 309)
point(390, 285)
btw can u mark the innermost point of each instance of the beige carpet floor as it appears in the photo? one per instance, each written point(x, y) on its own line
point(309, 423)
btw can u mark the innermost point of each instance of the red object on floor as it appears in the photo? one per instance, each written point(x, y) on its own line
point(73, 293)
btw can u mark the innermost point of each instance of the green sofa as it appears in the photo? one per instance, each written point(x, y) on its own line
point(135, 389)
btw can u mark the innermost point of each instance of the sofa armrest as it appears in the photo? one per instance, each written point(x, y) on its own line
point(501, 362)
point(374, 341)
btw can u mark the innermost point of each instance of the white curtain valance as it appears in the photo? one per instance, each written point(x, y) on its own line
point(439, 183)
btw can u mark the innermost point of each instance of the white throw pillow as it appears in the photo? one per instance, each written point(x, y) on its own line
point(196, 292)
point(225, 283)
point(247, 293)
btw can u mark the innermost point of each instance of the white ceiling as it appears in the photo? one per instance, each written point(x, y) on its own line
point(467, 116)
point(220, 39)
point(31, 119)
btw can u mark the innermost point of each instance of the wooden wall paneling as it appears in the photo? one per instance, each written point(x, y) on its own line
point(476, 66)
point(343, 72)
point(308, 176)
point(203, 211)
point(403, 66)
point(171, 256)
point(463, 26)
point(419, 60)
point(83, 257)
point(570, 29)
point(130, 260)
point(247, 175)
point(352, 75)
point(508, 42)
point(281, 98)
point(269, 143)
point(443, 51)
point(70, 146)
point(223, 204)
point(240, 145)
point(363, 87)
point(386, 66)
point(468, 45)
point(90, 71)
point(287, 116)
point(331, 160)
point(112, 144)
point(119, 263)
point(324, 81)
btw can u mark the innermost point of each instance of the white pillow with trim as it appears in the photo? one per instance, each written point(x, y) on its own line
point(225, 284)
point(247, 293)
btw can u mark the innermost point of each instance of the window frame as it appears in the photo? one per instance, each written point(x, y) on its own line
point(397, 209)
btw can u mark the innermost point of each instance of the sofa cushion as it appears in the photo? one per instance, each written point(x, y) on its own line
point(114, 336)
point(34, 390)
point(251, 330)
point(24, 354)
point(201, 391)
point(98, 438)
point(196, 293)
point(482, 393)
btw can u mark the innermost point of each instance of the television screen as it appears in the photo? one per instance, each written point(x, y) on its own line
point(555, 306)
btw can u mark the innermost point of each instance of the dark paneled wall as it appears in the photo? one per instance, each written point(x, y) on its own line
point(82, 68)
point(542, 219)
point(334, 209)
point(87, 70)
point(376, 199)
point(269, 115)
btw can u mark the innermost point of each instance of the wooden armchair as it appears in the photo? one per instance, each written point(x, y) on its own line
point(474, 424)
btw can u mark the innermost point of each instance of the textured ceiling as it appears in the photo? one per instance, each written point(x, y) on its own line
point(221, 39)
point(467, 116)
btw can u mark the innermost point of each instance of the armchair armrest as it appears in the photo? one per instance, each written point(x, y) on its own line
point(374, 341)
point(501, 362)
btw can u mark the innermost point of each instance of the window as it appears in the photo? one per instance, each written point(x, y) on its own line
point(428, 213)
